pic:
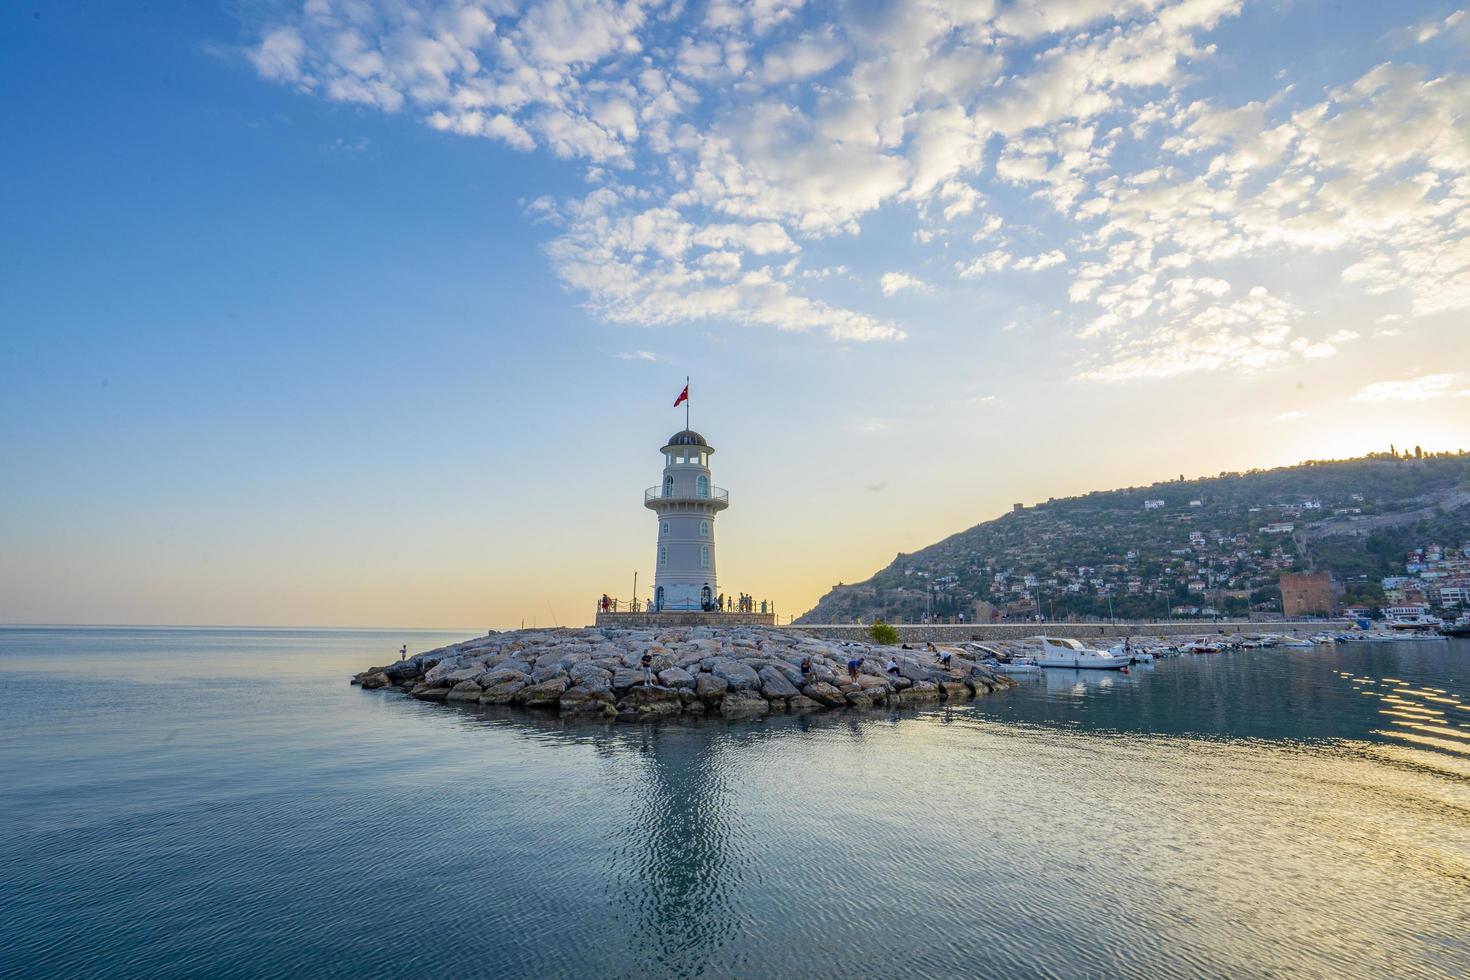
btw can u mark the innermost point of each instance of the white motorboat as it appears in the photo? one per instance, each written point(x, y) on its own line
point(1133, 653)
point(1416, 637)
point(1013, 667)
point(1295, 643)
point(1061, 652)
point(1415, 621)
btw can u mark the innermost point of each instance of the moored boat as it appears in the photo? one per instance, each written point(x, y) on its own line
point(1459, 627)
point(1061, 652)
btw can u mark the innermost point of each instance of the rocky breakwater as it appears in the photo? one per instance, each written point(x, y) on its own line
point(737, 672)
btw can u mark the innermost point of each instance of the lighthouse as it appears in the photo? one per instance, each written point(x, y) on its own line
point(686, 503)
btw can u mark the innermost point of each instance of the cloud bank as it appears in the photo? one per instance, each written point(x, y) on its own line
point(1073, 147)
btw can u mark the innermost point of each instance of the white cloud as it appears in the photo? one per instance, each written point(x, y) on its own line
point(893, 283)
point(720, 142)
point(1418, 389)
point(636, 355)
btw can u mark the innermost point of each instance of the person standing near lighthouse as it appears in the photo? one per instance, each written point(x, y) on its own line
point(686, 503)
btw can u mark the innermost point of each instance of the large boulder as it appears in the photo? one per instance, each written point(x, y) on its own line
point(505, 691)
point(511, 663)
point(428, 692)
point(711, 687)
point(740, 676)
point(676, 677)
point(464, 691)
point(922, 691)
point(402, 670)
point(587, 672)
point(586, 701)
point(499, 675)
point(868, 683)
point(547, 671)
point(953, 688)
point(800, 703)
point(439, 674)
point(626, 677)
point(824, 693)
point(744, 704)
point(652, 701)
point(544, 694)
point(915, 671)
point(374, 680)
point(866, 697)
point(775, 684)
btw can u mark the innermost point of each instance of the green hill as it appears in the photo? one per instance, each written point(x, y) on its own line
point(1218, 543)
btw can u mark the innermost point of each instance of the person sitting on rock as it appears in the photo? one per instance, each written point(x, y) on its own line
point(647, 662)
point(944, 658)
point(853, 666)
point(806, 669)
point(893, 666)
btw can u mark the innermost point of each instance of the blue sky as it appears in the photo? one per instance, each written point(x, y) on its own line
point(373, 312)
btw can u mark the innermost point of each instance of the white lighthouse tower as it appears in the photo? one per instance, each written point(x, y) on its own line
point(686, 503)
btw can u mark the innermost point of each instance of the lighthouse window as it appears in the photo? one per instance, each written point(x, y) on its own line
point(668, 459)
point(703, 529)
point(663, 557)
point(701, 485)
point(665, 528)
point(704, 556)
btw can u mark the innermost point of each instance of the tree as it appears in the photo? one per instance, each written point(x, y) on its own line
point(882, 634)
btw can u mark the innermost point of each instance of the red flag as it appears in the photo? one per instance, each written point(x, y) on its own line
point(683, 397)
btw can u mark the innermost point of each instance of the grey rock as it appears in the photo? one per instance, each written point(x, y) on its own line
point(775, 684)
point(504, 692)
point(824, 693)
point(711, 687)
point(922, 691)
point(500, 675)
point(741, 677)
point(800, 703)
point(427, 692)
point(744, 704)
point(547, 671)
point(548, 692)
point(676, 677)
point(585, 671)
point(464, 691)
point(953, 688)
point(402, 670)
point(626, 677)
point(866, 697)
point(374, 681)
point(512, 663)
point(915, 672)
point(586, 701)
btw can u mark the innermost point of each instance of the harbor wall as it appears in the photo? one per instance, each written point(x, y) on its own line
point(981, 632)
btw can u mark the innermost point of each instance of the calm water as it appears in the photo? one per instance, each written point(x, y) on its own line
point(196, 802)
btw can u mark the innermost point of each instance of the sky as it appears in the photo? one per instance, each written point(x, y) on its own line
point(373, 312)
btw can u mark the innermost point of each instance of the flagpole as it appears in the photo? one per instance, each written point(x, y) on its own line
point(686, 401)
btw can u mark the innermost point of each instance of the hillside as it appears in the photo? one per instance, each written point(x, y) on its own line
point(1210, 544)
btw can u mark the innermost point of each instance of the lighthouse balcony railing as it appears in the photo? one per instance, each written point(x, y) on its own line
point(717, 494)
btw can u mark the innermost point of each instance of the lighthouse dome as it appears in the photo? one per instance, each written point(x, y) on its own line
point(687, 438)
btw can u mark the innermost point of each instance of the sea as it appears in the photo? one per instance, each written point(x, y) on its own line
point(221, 803)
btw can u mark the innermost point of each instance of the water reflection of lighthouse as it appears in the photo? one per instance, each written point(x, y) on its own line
point(679, 868)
